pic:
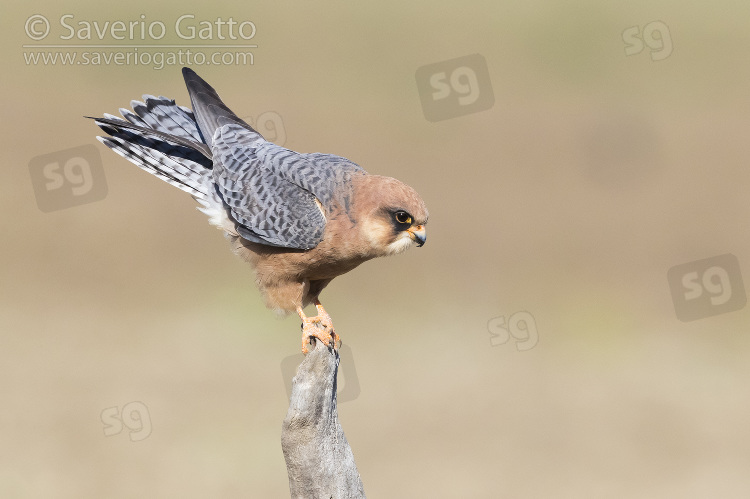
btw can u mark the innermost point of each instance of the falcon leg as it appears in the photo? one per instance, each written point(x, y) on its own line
point(310, 329)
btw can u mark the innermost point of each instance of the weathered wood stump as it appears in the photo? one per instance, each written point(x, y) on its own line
point(319, 461)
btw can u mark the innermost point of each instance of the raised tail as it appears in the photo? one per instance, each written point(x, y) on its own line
point(170, 141)
point(162, 138)
point(173, 142)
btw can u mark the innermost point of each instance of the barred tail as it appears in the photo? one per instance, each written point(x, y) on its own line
point(163, 139)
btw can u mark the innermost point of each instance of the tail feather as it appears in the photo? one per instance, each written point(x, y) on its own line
point(130, 116)
point(118, 124)
point(155, 158)
point(162, 139)
point(181, 160)
point(173, 142)
point(189, 156)
point(163, 114)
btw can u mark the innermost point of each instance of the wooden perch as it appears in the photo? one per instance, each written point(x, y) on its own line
point(319, 461)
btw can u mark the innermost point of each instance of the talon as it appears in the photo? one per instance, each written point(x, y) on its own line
point(310, 330)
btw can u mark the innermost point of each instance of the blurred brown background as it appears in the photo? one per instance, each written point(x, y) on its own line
point(592, 174)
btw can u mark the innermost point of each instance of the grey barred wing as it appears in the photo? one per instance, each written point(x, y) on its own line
point(273, 193)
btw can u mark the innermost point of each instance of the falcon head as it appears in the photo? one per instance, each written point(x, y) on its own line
point(394, 215)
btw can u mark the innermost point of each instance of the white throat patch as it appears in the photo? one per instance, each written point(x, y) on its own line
point(403, 243)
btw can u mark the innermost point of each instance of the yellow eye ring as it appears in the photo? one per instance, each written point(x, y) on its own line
point(403, 218)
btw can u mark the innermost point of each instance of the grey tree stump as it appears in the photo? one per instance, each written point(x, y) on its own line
point(319, 461)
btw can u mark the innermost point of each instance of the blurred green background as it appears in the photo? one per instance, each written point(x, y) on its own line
point(592, 175)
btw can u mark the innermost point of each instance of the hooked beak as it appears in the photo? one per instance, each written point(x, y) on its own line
point(418, 234)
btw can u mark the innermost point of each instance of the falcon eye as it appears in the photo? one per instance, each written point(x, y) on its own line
point(402, 218)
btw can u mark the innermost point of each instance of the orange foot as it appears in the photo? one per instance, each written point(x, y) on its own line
point(310, 330)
